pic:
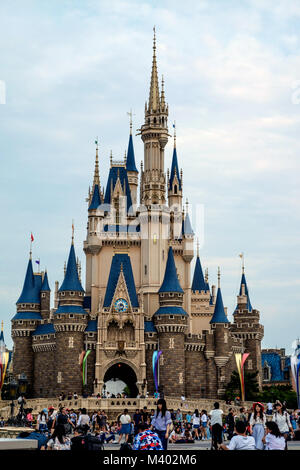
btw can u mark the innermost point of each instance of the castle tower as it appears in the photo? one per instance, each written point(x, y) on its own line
point(26, 320)
point(247, 327)
point(154, 134)
point(202, 308)
point(219, 324)
point(175, 183)
point(45, 299)
point(171, 322)
point(132, 171)
point(70, 321)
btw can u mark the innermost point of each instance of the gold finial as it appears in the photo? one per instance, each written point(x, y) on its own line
point(65, 268)
point(219, 277)
point(206, 275)
point(174, 125)
point(111, 158)
point(154, 88)
point(162, 96)
point(2, 325)
point(72, 231)
point(154, 38)
point(243, 262)
point(198, 244)
point(125, 157)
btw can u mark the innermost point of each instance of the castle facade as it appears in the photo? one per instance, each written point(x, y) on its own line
point(139, 295)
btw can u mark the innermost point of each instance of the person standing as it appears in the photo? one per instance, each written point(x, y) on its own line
point(257, 424)
point(282, 419)
point(83, 421)
point(161, 422)
point(230, 423)
point(216, 426)
point(196, 423)
point(125, 421)
point(269, 408)
point(42, 421)
point(204, 420)
point(137, 419)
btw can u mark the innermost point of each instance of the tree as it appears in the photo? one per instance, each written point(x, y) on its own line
point(127, 391)
point(281, 393)
point(233, 388)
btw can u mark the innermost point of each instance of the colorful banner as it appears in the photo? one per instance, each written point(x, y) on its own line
point(155, 361)
point(4, 361)
point(84, 367)
point(240, 362)
point(295, 368)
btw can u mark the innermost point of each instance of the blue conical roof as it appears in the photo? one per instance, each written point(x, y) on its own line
point(173, 168)
point(30, 293)
point(187, 226)
point(71, 280)
point(198, 280)
point(45, 286)
point(130, 162)
point(219, 315)
point(96, 199)
point(243, 281)
point(170, 282)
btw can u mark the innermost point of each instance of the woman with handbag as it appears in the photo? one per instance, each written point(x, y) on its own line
point(282, 419)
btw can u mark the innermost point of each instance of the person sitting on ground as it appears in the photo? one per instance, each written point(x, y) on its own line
point(146, 439)
point(240, 441)
point(273, 440)
point(78, 441)
point(175, 435)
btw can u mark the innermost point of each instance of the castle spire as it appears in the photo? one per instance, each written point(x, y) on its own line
point(71, 281)
point(219, 315)
point(96, 172)
point(130, 161)
point(153, 104)
point(170, 282)
point(198, 283)
point(29, 292)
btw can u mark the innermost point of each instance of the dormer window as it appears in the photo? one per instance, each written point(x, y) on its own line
point(171, 317)
point(43, 295)
point(72, 293)
point(71, 315)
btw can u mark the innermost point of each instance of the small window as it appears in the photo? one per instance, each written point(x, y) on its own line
point(72, 293)
point(43, 295)
point(145, 270)
point(171, 317)
point(175, 189)
point(182, 318)
point(32, 305)
point(71, 315)
point(20, 322)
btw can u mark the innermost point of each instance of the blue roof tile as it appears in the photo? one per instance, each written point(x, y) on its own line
point(70, 309)
point(219, 315)
point(174, 168)
point(115, 269)
point(170, 282)
point(45, 329)
point(130, 162)
point(274, 361)
point(27, 316)
point(170, 311)
point(71, 280)
point(96, 199)
point(45, 286)
point(199, 283)
point(30, 292)
point(114, 173)
point(91, 326)
point(149, 327)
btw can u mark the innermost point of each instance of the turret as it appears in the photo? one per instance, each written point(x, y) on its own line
point(154, 133)
point(171, 322)
point(246, 325)
point(220, 326)
point(132, 171)
point(175, 182)
point(45, 298)
point(70, 321)
point(27, 318)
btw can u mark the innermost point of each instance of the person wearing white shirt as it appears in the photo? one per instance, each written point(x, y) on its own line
point(216, 426)
point(282, 419)
point(273, 440)
point(240, 441)
point(257, 424)
point(204, 424)
point(196, 423)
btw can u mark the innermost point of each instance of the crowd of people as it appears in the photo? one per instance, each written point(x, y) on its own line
point(155, 429)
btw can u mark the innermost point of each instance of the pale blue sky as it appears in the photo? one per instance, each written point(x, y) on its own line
point(232, 78)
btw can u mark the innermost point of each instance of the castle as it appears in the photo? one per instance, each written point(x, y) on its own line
point(139, 296)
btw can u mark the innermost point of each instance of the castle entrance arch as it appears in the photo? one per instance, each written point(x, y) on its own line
point(118, 377)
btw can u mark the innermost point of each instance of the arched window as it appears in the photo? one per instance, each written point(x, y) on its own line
point(175, 189)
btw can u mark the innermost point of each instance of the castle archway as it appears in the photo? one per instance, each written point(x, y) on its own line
point(119, 376)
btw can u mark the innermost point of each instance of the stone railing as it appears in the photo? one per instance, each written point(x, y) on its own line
point(114, 406)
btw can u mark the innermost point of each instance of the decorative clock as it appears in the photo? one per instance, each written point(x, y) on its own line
point(121, 305)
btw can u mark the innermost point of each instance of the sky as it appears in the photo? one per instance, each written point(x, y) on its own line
point(71, 70)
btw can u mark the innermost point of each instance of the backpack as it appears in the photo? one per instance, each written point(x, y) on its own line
point(92, 443)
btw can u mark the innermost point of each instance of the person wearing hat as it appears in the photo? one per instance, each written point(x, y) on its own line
point(282, 419)
point(258, 424)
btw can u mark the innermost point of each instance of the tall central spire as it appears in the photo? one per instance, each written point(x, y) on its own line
point(153, 104)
